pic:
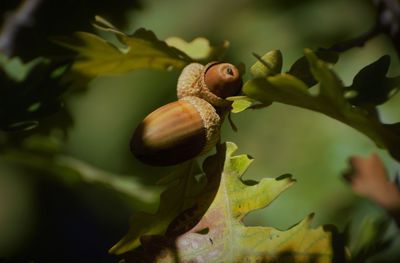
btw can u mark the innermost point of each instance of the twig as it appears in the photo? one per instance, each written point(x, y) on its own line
point(22, 17)
point(387, 22)
point(388, 18)
point(356, 42)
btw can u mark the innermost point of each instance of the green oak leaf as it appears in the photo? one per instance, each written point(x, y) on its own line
point(199, 49)
point(43, 154)
point(369, 238)
point(242, 103)
point(97, 57)
point(29, 92)
point(183, 188)
point(330, 100)
point(301, 68)
point(142, 49)
point(15, 69)
point(220, 235)
point(268, 65)
point(371, 86)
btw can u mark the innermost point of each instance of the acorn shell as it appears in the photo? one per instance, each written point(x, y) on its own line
point(192, 82)
point(176, 132)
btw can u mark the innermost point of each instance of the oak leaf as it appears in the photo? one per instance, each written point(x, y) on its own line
point(141, 50)
point(182, 188)
point(220, 235)
point(330, 100)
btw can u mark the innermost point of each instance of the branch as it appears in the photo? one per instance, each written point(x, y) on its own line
point(388, 18)
point(22, 17)
point(387, 22)
point(356, 42)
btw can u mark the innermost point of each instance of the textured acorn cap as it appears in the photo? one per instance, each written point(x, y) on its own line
point(211, 121)
point(192, 82)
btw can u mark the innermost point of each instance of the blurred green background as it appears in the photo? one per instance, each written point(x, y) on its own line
point(43, 214)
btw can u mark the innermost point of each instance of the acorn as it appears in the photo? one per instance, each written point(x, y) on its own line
point(176, 132)
point(213, 82)
point(184, 129)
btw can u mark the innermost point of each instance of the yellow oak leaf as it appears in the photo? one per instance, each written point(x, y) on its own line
point(220, 235)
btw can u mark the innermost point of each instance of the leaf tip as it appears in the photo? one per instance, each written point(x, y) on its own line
point(231, 148)
point(310, 216)
point(308, 51)
point(114, 250)
point(307, 221)
point(288, 177)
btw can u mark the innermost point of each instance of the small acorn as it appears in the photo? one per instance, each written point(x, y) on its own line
point(176, 132)
point(184, 129)
point(212, 82)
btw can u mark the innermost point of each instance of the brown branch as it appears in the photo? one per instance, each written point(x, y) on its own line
point(14, 22)
point(355, 42)
point(388, 18)
point(387, 22)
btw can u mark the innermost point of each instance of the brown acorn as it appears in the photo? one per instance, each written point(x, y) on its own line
point(212, 82)
point(176, 132)
point(189, 127)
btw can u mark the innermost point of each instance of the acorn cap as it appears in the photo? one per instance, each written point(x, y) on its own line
point(211, 121)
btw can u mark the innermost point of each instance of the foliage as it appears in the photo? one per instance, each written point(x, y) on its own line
point(200, 214)
point(370, 238)
point(27, 25)
point(199, 49)
point(293, 88)
point(43, 154)
point(28, 92)
point(219, 234)
point(371, 87)
point(142, 49)
point(183, 189)
point(368, 177)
